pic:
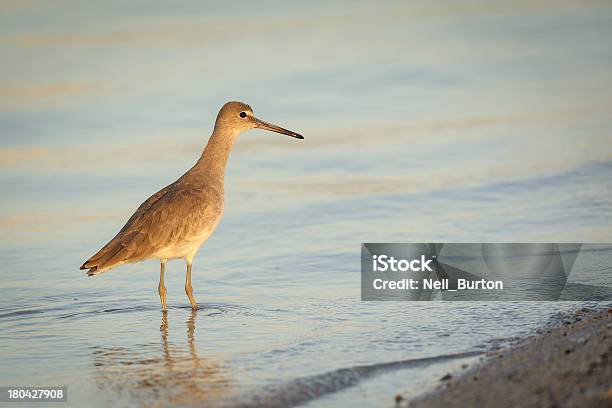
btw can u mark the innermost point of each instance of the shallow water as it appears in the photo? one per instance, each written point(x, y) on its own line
point(433, 123)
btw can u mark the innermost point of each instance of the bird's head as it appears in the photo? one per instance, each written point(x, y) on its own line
point(237, 117)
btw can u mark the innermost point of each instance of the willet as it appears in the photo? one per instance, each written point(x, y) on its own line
point(174, 222)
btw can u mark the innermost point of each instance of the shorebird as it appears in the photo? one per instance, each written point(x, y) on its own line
point(174, 222)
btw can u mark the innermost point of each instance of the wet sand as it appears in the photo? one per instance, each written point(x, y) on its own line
point(568, 365)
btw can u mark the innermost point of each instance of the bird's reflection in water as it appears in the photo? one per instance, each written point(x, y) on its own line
point(176, 377)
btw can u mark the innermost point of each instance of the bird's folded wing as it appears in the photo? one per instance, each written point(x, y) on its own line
point(111, 245)
point(169, 217)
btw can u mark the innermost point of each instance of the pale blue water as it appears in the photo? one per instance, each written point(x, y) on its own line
point(460, 122)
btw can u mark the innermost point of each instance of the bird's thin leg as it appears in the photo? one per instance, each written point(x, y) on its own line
point(188, 288)
point(161, 288)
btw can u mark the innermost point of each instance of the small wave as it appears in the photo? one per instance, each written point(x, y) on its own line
point(301, 390)
point(28, 312)
point(21, 313)
point(84, 309)
point(205, 309)
point(81, 314)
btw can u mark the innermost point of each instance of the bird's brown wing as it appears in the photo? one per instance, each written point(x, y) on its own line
point(139, 211)
point(168, 217)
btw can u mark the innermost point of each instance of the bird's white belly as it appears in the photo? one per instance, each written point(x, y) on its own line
point(187, 247)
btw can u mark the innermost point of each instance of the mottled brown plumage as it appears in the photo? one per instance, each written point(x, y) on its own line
point(174, 222)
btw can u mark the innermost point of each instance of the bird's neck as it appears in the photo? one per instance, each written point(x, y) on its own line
point(210, 168)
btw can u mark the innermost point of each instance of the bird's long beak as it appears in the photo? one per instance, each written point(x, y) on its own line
point(268, 126)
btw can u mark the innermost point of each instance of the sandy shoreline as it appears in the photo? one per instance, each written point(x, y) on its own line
point(568, 365)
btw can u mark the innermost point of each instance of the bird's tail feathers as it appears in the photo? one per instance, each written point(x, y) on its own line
point(105, 260)
point(94, 270)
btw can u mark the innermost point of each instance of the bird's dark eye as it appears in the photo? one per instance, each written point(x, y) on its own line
point(243, 114)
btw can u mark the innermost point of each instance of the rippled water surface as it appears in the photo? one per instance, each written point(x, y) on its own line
point(460, 122)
